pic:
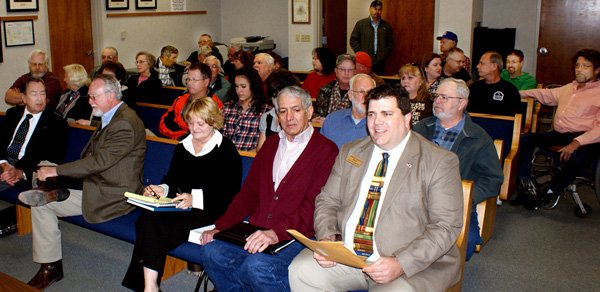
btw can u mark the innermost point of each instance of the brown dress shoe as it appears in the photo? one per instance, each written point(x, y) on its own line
point(47, 275)
point(39, 197)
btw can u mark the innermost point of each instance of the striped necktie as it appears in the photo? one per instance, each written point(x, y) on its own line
point(15, 147)
point(363, 235)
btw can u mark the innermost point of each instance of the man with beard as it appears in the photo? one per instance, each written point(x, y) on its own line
point(452, 129)
point(575, 128)
point(374, 36)
point(110, 165)
point(349, 124)
point(38, 68)
point(514, 72)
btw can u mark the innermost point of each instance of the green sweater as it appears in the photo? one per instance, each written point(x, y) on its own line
point(523, 82)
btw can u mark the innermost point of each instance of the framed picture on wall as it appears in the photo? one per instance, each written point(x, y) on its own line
point(145, 4)
point(117, 4)
point(301, 11)
point(21, 5)
point(18, 33)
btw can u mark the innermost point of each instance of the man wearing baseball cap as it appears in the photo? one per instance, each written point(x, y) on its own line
point(448, 41)
point(374, 36)
point(364, 64)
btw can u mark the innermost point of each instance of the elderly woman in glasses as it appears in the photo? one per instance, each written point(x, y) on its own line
point(144, 86)
point(195, 177)
point(421, 102)
point(172, 123)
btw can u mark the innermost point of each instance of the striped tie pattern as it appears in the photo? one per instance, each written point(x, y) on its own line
point(363, 235)
point(15, 147)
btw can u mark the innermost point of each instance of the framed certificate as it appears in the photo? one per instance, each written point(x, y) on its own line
point(145, 4)
point(18, 33)
point(21, 5)
point(301, 11)
point(117, 4)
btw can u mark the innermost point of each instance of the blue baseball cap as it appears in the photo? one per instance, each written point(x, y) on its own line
point(448, 35)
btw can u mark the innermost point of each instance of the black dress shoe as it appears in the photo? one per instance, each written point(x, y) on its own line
point(47, 275)
point(39, 197)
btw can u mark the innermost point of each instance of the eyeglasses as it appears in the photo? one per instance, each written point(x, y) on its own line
point(443, 98)
point(94, 96)
point(346, 70)
point(141, 62)
point(194, 80)
point(361, 92)
point(583, 66)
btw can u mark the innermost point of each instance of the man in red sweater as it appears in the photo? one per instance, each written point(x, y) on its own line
point(278, 194)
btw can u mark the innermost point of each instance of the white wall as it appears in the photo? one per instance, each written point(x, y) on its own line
point(526, 19)
point(460, 17)
point(300, 52)
point(152, 33)
point(15, 58)
point(226, 19)
point(242, 18)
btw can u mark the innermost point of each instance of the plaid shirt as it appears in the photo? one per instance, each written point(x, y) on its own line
point(241, 127)
point(163, 74)
point(445, 138)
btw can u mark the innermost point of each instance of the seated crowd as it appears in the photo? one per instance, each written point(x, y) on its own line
point(322, 182)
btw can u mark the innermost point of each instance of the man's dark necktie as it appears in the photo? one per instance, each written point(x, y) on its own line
point(15, 147)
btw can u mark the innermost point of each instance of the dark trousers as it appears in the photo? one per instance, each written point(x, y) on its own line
point(569, 170)
point(157, 234)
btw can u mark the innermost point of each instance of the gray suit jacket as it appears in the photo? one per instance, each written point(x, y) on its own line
point(421, 214)
point(111, 163)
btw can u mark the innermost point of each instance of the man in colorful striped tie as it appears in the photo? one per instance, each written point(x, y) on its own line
point(393, 198)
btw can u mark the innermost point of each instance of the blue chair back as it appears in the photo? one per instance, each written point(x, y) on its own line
point(500, 127)
point(150, 115)
point(159, 152)
point(78, 138)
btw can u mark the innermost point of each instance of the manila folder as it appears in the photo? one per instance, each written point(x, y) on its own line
point(331, 250)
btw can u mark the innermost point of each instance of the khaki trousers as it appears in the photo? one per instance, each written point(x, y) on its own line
point(306, 274)
point(45, 230)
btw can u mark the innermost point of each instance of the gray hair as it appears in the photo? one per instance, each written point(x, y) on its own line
point(110, 84)
point(496, 58)
point(265, 57)
point(213, 58)
point(462, 90)
point(294, 91)
point(361, 76)
point(343, 57)
point(39, 52)
point(113, 49)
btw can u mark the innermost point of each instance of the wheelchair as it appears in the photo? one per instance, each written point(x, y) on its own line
point(546, 164)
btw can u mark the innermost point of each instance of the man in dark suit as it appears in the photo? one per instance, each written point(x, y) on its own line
point(111, 164)
point(404, 221)
point(21, 151)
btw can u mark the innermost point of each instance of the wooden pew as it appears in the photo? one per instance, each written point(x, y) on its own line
point(461, 241)
point(527, 107)
point(507, 129)
point(486, 210)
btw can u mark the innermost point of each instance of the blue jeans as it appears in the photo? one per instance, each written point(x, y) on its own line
point(231, 268)
point(474, 238)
